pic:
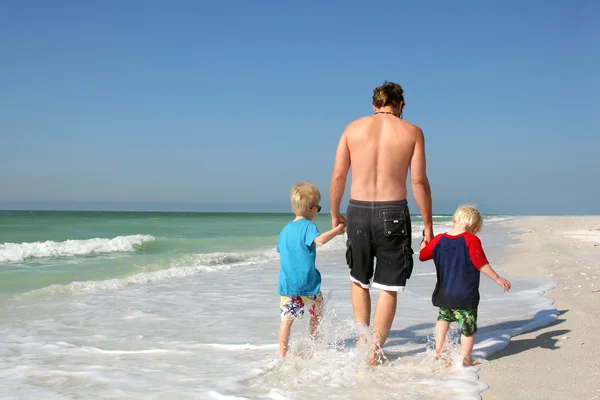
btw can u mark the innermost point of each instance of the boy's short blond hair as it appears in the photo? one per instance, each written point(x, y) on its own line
point(304, 195)
point(468, 216)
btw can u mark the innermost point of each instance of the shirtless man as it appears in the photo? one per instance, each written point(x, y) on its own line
point(381, 147)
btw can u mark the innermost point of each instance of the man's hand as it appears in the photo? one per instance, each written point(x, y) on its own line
point(428, 233)
point(336, 220)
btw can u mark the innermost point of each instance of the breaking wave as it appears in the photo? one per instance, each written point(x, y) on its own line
point(15, 252)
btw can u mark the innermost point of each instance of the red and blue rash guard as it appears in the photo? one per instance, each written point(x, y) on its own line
point(458, 260)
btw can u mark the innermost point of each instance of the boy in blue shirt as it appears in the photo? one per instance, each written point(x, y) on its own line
point(299, 279)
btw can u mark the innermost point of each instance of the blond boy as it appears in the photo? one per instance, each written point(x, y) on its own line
point(459, 259)
point(299, 280)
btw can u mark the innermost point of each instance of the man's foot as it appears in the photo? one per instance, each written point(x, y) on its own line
point(376, 357)
point(362, 341)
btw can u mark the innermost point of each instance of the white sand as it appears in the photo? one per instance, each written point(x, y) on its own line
point(562, 360)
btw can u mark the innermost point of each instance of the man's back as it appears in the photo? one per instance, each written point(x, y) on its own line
point(381, 147)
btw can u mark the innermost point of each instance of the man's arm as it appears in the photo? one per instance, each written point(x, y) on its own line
point(420, 184)
point(341, 166)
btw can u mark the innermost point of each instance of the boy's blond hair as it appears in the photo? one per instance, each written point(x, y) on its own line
point(304, 195)
point(468, 216)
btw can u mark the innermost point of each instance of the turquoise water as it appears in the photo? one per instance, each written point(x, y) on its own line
point(43, 248)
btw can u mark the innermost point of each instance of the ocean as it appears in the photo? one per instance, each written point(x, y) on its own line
point(150, 305)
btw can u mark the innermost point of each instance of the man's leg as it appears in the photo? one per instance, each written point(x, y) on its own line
point(392, 241)
point(360, 257)
point(382, 322)
point(361, 303)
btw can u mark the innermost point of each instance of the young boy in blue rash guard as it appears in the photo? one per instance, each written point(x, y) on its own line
point(299, 280)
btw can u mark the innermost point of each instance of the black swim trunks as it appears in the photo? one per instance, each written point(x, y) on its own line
point(381, 230)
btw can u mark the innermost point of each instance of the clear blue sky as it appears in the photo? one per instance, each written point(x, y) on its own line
point(232, 102)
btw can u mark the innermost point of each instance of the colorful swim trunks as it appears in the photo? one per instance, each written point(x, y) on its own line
point(466, 319)
point(293, 307)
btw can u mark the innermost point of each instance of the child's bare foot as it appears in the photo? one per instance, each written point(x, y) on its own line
point(469, 362)
point(445, 361)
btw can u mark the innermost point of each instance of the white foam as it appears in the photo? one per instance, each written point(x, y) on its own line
point(118, 284)
point(236, 347)
point(218, 396)
point(129, 352)
point(498, 218)
point(181, 267)
point(14, 252)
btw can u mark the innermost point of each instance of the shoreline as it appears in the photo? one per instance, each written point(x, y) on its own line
point(561, 358)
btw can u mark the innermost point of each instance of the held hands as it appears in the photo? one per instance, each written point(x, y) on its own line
point(336, 220)
point(428, 234)
point(427, 237)
point(339, 229)
point(504, 283)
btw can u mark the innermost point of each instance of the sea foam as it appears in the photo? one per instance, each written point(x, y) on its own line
point(14, 252)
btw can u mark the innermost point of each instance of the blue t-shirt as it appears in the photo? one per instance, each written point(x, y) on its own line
point(298, 275)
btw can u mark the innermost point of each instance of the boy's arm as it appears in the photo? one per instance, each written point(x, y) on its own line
point(488, 271)
point(330, 234)
point(480, 262)
point(426, 252)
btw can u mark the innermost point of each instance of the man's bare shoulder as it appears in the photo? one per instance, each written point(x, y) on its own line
point(410, 125)
point(359, 122)
point(412, 128)
point(358, 125)
point(364, 123)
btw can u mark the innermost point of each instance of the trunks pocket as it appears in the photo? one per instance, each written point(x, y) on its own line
point(409, 260)
point(349, 254)
point(394, 224)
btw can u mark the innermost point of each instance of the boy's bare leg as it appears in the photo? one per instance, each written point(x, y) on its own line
point(361, 303)
point(466, 344)
point(315, 320)
point(382, 322)
point(441, 330)
point(285, 328)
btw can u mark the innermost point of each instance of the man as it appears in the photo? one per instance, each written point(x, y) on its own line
point(381, 147)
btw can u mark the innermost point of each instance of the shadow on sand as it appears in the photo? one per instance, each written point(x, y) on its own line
point(547, 340)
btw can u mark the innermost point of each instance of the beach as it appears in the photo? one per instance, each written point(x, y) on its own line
point(562, 359)
point(185, 306)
